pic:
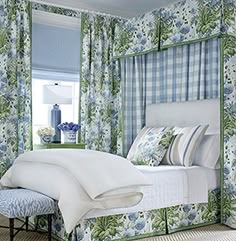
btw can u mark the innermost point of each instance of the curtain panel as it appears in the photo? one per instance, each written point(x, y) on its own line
point(182, 73)
point(101, 117)
point(15, 80)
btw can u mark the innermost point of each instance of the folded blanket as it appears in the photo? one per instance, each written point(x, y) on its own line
point(81, 180)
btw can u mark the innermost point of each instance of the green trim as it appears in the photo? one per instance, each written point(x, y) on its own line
point(193, 226)
point(191, 41)
point(222, 123)
point(219, 35)
point(56, 146)
point(81, 54)
point(31, 104)
point(166, 220)
point(135, 54)
point(122, 106)
point(148, 235)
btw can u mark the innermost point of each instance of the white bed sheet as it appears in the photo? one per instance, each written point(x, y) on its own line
point(172, 185)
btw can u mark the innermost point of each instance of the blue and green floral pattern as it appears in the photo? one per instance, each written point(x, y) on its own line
point(229, 183)
point(153, 146)
point(101, 117)
point(190, 20)
point(15, 81)
point(135, 36)
point(138, 224)
point(186, 216)
point(182, 22)
point(56, 10)
point(229, 17)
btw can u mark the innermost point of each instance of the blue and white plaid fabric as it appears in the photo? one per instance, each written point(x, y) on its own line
point(183, 73)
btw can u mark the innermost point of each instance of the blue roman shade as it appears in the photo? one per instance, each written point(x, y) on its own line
point(55, 52)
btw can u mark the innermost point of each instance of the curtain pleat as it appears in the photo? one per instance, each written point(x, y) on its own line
point(15, 81)
point(183, 73)
point(101, 116)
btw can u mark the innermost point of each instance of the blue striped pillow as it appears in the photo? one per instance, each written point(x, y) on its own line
point(183, 146)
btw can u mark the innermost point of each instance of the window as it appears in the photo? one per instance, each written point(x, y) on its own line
point(41, 112)
point(55, 59)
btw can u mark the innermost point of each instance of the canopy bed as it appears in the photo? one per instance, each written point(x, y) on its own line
point(179, 197)
point(105, 123)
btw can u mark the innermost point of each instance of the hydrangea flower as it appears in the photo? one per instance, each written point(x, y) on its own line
point(185, 29)
point(69, 126)
point(140, 224)
point(228, 89)
point(46, 131)
point(133, 216)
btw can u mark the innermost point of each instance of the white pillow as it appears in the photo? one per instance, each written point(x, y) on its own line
point(136, 142)
point(183, 146)
point(208, 152)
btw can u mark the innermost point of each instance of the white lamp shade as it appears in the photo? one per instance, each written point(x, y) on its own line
point(57, 94)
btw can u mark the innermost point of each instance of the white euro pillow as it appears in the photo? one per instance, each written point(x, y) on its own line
point(136, 142)
point(208, 152)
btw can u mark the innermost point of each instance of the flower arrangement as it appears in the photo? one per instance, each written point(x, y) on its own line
point(46, 131)
point(69, 126)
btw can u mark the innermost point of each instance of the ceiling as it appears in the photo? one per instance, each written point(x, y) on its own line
point(123, 8)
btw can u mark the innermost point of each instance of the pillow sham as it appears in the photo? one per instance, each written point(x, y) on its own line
point(152, 146)
point(208, 152)
point(183, 146)
point(136, 142)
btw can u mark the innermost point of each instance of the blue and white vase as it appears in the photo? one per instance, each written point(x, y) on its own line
point(45, 139)
point(69, 136)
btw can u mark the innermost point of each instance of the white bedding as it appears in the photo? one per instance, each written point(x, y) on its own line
point(172, 185)
point(80, 180)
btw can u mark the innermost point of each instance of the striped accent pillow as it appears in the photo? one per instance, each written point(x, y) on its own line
point(183, 146)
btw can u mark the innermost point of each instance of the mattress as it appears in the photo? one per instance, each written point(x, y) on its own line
point(172, 185)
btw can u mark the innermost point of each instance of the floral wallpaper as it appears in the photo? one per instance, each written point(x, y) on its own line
point(190, 20)
point(136, 36)
point(15, 81)
point(229, 17)
point(185, 21)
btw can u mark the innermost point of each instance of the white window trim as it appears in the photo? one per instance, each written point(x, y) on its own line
point(55, 20)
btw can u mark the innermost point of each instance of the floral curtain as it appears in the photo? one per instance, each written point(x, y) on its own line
point(229, 132)
point(101, 116)
point(15, 80)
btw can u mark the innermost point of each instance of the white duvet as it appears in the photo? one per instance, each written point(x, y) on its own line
point(81, 180)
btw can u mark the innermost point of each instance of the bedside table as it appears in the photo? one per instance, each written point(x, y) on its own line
point(59, 145)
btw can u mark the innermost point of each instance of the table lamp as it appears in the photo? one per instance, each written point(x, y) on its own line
point(56, 94)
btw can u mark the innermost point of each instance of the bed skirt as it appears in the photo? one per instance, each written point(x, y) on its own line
point(138, 225)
